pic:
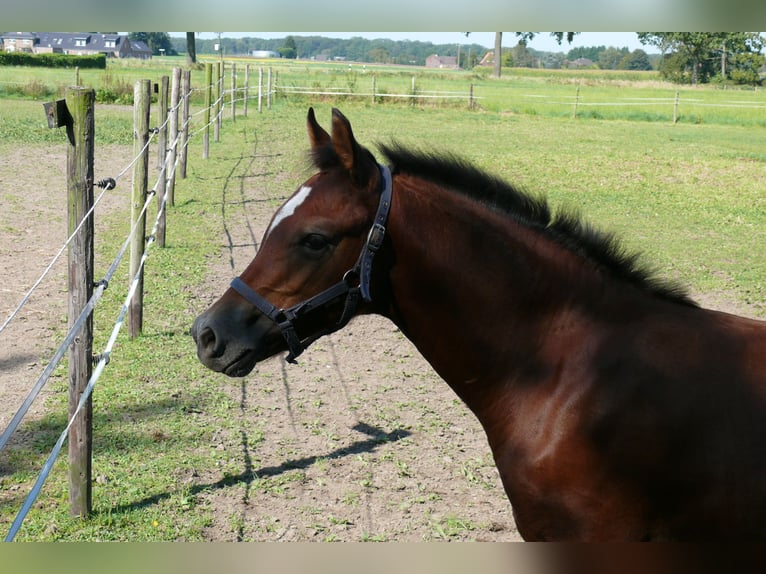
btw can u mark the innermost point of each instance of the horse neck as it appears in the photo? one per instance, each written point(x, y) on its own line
point(475, 291)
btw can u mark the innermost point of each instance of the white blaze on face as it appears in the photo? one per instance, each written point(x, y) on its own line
point(289, 208)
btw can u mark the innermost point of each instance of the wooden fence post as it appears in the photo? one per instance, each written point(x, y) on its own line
point(184, 129)
point(247, 89)
point(675, 109)
point(217, 106)
point(373, 89)
point(162, 148)
point(260, 89)
point(142, 95)
point(577, 101)
point(233, 98)
point(208, 103)
point(81, 104)
point(219, 115)
point(175, 98)
point(162, 136)
point(268, 90)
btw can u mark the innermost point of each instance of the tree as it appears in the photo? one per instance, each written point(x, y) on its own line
point(289, 50)
point(591, 53)
point(379, 55)
point(191, 49)
point(609, 59)
point(498, 54)
point(699, 51)
point(521, 57)
point(524, 37)
point(636, 60)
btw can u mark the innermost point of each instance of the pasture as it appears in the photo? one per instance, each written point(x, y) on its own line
point(361, 440)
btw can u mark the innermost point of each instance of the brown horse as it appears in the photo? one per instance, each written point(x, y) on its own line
point(614, 406)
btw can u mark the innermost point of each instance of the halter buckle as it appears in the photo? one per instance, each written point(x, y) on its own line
point(375, 237)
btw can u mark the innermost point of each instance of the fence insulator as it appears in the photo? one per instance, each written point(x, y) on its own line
point(154, 130)
point(100, 282)
point(107, 183)
point(97, 358)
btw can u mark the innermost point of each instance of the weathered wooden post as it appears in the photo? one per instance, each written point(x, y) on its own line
point(184, 129)
point(675, 109)
point(142, 95)
point(217, 106)
point(247, 89)
point(260, 89)
point(470, 97)
point(233, 98)
point(268, 90)
point(208, 103)
point(162, 136)
point(175, 98)
point(373, 89)
point(80, 103)
point(577, 101)
point(162, 147)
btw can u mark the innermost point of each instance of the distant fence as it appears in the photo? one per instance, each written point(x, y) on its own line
point(578, 101)
point(414, 96)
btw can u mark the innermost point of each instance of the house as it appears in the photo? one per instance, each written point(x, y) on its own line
point(18, 41)
point(435, 61)
point(75, 43)
point(581, 63)
point(488, 59)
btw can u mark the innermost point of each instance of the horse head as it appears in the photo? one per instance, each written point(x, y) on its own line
point(311, 274)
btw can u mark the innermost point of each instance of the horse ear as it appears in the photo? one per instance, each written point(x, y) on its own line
point(317, 135)
point(343, 140)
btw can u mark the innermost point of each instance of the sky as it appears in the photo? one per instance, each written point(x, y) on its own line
point(543, 41)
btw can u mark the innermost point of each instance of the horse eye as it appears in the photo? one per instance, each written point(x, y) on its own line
point(315, 242)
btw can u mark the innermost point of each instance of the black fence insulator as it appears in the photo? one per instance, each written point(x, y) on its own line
point(151, 192)
point(101, 282)
point(97, 358)
point(154, 130)
point(107, 183)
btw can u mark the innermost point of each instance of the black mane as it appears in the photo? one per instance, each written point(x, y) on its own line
point(566, 227)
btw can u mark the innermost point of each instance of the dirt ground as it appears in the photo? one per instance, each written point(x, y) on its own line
point(33, 228)
point(359, 441)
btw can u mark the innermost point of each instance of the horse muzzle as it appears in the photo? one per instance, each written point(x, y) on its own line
point(233, 344)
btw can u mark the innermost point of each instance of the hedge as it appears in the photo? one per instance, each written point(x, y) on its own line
point(52, 60)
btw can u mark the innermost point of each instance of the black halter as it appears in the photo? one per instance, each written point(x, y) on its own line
point(355, 284)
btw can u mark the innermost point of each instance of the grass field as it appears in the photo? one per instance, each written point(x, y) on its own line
point(600, 94)
point(691, 196)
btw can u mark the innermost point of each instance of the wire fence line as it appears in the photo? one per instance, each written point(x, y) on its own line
point(100, 286)
point(107, 185)
point(103, 361)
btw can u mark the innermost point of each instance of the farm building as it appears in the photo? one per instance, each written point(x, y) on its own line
point(265, 54)
point(435, 61)
point(75, 43)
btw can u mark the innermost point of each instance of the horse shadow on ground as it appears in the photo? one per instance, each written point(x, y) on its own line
point(376, 438)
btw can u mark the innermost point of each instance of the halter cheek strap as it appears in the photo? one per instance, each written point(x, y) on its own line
point(354, 285)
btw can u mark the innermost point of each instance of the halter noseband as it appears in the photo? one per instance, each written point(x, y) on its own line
point(355, 284)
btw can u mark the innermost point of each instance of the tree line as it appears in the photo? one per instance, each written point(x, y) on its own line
point(685, 57)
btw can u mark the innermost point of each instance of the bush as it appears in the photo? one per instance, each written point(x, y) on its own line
point(96, 61)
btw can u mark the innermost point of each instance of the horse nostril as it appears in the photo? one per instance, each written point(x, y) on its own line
point(206, 341)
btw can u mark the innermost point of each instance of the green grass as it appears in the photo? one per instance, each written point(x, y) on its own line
point(690, 196)
point(601, 94)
